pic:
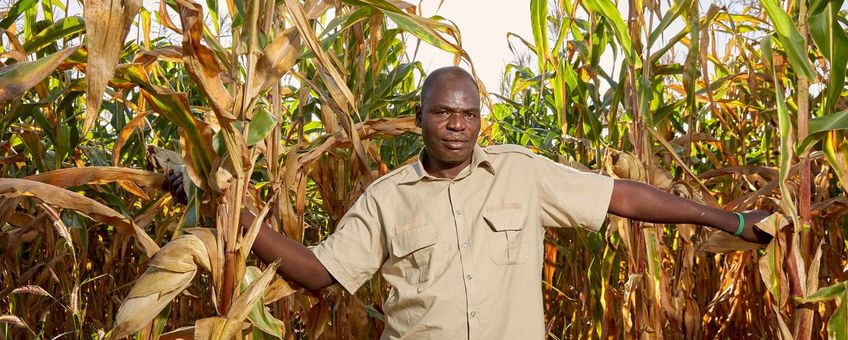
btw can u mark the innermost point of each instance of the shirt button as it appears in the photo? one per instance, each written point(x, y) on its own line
point(473, 313)
point(459, 212)
point(469, 277)
point(464, 244)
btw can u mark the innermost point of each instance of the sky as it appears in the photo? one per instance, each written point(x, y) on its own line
point(484, 25)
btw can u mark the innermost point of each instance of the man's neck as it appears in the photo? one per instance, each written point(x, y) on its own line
point(442, 170)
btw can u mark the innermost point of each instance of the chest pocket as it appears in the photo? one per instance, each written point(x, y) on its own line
point(414, 250)
point(505, 234)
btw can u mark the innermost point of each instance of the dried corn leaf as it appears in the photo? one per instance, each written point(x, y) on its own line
point(172, 54)
point(214, 250)
point(277, 290)
point(201, 63)
point(106, 24)
point(137, 122)
point(171, 271)
point(260, 316)
point(319, 316)
point(278, 58)
point(771, 263)
point(717, 241)
point(251, 295)
point(216, 328)
point(71, 177)
point(14, 187)
point(381, 127)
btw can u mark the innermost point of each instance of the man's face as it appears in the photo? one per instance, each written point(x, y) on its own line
point(449, 118)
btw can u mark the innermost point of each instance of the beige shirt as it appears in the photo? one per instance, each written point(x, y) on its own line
point(463, 256)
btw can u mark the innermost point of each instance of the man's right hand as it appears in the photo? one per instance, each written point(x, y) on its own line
point(174, 185)
point(301, 265)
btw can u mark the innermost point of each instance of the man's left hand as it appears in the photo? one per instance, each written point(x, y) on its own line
point(751, 233)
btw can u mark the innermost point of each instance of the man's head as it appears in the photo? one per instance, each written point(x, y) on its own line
point(449, 116)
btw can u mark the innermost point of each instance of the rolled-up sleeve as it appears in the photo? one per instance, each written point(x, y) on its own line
point(357, 249)
point(571, 198)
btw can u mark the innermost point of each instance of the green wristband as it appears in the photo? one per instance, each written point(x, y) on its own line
point(741, 224)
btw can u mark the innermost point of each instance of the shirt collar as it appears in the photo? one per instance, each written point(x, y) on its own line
point(479, 158)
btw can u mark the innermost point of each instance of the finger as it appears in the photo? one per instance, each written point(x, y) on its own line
point(181, 196)
point(171, 179)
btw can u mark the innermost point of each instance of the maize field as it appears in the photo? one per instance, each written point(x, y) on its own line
point(291, 108)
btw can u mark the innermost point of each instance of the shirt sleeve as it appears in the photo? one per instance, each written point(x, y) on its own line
point(357, 249)
point(571, 198)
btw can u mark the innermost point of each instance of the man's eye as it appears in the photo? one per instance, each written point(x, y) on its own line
point(442, 113)
point(470, 115)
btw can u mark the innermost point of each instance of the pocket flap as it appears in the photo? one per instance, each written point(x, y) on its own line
point(502, 220)
point(411, 240)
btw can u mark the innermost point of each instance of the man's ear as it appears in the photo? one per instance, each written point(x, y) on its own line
point(418, 115)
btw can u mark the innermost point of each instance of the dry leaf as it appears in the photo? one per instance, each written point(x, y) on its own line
point(170, 272)
point(71, 177)
point(56, 196)
point(106, 22)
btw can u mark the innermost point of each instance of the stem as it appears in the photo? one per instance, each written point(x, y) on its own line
point(228, 279)
point(803, 313)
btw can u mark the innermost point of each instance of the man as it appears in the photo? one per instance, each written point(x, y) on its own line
point(458, 234)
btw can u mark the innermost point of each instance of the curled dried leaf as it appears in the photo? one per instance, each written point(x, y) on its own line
point(624, 165)
point(171, 271)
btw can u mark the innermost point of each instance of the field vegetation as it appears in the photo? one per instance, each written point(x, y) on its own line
point(291, 108)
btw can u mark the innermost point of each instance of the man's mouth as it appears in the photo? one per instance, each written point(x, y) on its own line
point(454, 144)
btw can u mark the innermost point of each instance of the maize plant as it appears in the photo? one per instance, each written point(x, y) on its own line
point(292, 108)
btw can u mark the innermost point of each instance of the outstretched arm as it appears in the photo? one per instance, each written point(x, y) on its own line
point(297, 264)
point(639, 201)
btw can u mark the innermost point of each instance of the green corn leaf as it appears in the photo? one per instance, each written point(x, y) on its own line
point(539, 22)
point(609, 11)
point(15, 12)
point(789, 37)
point(54, 33)
point(212, 6)
point(837, 326)
point(199, 154)
point(819, 125)
point(422, 29)
point(786, 139)
point(826, 293)
point(831, 39)
point(676, 10)
point(260, 126)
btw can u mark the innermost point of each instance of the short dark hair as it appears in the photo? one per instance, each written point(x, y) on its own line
point(450, 71)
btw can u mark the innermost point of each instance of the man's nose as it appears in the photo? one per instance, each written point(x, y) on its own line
point(456, 122)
